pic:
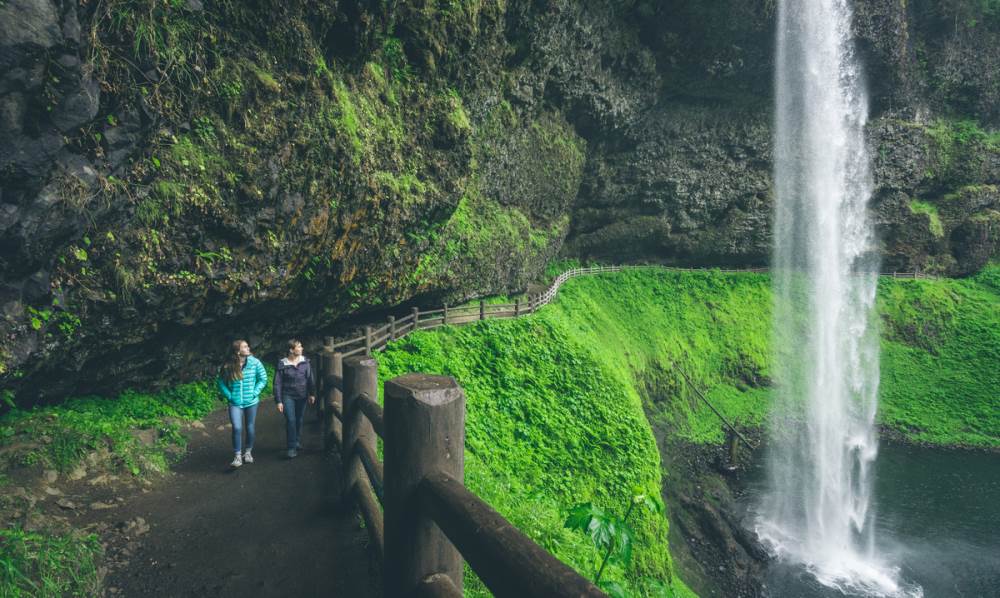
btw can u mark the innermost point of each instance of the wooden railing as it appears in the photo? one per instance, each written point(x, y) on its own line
point(374, 339)
point(421, 519)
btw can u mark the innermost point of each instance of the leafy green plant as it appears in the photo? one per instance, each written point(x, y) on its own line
point(58, 436)
point(610, 534)
point(36, 563)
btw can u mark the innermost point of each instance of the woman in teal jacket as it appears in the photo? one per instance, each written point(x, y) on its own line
point(241, 380)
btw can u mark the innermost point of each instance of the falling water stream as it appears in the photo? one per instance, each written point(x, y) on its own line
point(818, 511)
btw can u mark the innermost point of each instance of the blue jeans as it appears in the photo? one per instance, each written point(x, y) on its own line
point(236, 417)
point(295, 411)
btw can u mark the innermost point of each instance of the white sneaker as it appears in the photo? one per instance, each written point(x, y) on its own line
point(237, 461)
point(247, 457)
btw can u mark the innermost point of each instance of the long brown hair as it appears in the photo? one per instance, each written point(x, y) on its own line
point(232, 369)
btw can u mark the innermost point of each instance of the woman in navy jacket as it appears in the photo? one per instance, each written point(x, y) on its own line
point(294, 384)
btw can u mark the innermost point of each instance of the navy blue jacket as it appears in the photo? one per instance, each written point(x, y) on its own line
point(294, 381)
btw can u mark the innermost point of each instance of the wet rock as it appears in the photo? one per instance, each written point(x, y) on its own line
point(66, 504)
point(79, 472)
point(53, 491)
point(146, 437)
point(50, 475)
point(102, 506)
point(28, 498)
point(134, 527)
point(78, 107)
point(29, 23)
point(33, 521)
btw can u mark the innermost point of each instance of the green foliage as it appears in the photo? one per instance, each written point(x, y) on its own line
point(481, 230)
point(933, 218)
point(59, 436)
point(406, 188)
point(395, 59)
point(267, 80)
point(958, 147)
point(42, 564)
point(610, 534)
point(457, 115)
point(940, 347)
point(552, 419)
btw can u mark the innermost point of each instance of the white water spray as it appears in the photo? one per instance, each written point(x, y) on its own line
point(818, 510)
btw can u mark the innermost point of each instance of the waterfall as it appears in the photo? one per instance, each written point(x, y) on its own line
point(823, 445)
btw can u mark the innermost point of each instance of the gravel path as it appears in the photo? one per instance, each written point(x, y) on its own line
point(270, 528)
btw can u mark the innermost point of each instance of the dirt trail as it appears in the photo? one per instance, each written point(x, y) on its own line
point(269, 528)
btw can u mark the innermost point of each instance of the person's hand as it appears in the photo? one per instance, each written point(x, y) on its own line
point(281, 408)
point(312, 400)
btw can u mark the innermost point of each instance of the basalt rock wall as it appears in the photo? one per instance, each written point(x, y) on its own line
point(176, 173)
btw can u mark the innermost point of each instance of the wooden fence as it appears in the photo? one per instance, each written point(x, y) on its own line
point(374, 339)
point(421, 519)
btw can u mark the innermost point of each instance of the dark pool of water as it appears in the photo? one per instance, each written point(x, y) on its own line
point(937, 520)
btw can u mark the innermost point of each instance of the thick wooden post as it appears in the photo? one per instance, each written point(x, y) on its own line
point(416, 317)
point(424, 434)
point(392, 328)
point(517, 307)
point(482, 309)
point(360, 377)
point(332, 398)
point(368, 340)
point(445, 320)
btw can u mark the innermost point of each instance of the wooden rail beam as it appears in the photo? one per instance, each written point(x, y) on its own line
point(510, 563)
point(373, 411)
point(374, 519)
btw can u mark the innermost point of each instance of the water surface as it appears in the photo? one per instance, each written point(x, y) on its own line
point(937, 518)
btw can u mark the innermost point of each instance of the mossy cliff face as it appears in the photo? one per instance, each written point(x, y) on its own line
point(177, 172)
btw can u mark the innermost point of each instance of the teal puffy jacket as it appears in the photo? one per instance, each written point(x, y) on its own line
point(246, 391)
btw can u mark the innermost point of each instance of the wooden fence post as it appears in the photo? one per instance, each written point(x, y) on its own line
point(360, 377)
point(445, 320)
point(332, 398)
point(482, 309)
point(424, 434)
point(517, 307)
point(392, 328)
point(416, 317)
point(368, 340)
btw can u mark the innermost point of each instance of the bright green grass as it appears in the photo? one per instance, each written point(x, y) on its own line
point(41, 565)
point(941, 359)
point(58, 436)
point(555, 400)
point(549, 425)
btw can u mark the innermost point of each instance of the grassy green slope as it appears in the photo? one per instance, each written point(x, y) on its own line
point(555, 400)
point(941, 359)
point(549, 425)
